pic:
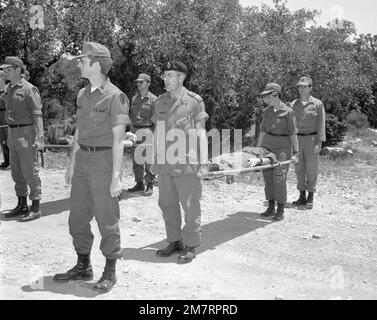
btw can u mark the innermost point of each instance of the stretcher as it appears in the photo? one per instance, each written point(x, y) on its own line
point(247, 160)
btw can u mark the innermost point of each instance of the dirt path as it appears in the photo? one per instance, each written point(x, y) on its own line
point(329, 252)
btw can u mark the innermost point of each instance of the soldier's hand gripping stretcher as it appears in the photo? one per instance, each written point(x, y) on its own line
point(248, 159)
point(129, 140)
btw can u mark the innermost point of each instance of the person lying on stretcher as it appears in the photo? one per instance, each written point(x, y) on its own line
point(247, 157)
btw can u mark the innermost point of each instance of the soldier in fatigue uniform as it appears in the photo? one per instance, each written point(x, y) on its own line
point(3, 131)
point(96, 161)
point(178, 183)
point(141, 113)
point(310, 115)
point(25, 136)
point(278, 134)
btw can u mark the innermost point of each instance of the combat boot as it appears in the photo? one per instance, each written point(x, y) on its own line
point(149, 189)
point(270, 210)
point(301, 201)
point(172, 247)
point(187, 255)
point(139, 186)
point(108, 279)
point(21, 209)
point(279, 213)
point(81, 271)
point(309, 201)
point(33, 214)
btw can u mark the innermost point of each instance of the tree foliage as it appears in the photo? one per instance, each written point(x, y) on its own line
point(231, 52)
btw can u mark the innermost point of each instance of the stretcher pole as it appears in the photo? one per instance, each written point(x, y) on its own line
point(234, 172)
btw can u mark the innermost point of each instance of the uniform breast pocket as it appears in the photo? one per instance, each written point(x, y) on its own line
point(311, 112)
point(184, 123)
point(98, 117)
point(146, 110)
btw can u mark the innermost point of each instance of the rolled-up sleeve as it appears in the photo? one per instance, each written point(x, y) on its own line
point(34, 101)
point(321, 129)
point(201, 113)
point(291, 123)
point(120, 109)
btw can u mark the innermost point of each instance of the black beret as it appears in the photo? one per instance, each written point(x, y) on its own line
point(175, 66)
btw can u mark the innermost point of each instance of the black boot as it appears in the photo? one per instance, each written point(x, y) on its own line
point(309, 201)
point(187, 255)
point(172, 247)
point(81, 271)
point(279, 213)
point(149, 190)
point(270, 210)
point(139, 186)
point(33, 214)
point(21, 208)
point(301, 201)
point(108, 279)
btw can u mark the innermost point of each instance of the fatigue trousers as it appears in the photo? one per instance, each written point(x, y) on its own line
point(140, 168)
point(90, 197)
point(307, 169)
point(275, 180)
point(4, 137)
point(185, 191)
point(23, 161)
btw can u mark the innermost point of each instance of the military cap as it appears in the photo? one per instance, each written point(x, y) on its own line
point(175, 66)
point(305, 81)
point(142, 77)
point(94, 49)
point(12, 62)
point(270, 88)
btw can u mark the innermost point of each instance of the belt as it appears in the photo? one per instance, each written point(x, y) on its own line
point(278, 135)
point(306, 134)
point(143, 126)
point(93, 148)
point(3, 109)
point(19, 125)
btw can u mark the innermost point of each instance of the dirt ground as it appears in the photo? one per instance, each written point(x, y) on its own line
point(325, 253)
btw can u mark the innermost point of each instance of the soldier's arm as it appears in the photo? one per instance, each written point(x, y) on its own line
point(35, 103)
point(118, 152)
point(321, 129)
point(75, 148)
point(203, 141)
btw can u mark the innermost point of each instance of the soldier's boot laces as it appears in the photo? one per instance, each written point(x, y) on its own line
point(309, 201)
point(270, 210)
point(108, 279)
point(301, 201)
point(149, 189)
point(20, 209)
point(81, 271)
point(279, 213)
point(34, 212)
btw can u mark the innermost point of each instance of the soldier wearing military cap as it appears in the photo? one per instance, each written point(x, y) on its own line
point(96, 161)
point(311, 117)
point(141, 113)
point(278, 134)
point(25, 136)
point(3, 131)
point(182, 110)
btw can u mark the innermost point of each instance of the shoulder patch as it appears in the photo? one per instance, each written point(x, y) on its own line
point(34, 90)
point(123, 98)
point(194, 95)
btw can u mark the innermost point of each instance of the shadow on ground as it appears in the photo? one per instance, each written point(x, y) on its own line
point(214, 234)
point(47, 209)
point(79, 289)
